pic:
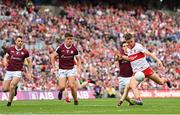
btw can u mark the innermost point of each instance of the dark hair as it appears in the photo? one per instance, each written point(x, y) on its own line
point(18, 37)
point(122, 43)
point(128, 36)
point(68, 35)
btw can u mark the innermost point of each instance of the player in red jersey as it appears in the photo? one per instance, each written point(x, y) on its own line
point(66, 53)
point(137, 56)
point(125, 71)
point(13, 62)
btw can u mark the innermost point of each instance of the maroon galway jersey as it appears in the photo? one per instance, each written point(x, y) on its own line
point(66, 56)
point(125, 67)
point(16, 58)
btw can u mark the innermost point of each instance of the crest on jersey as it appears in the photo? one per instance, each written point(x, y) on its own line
point(22, 53)
point(72, 51)
point(67, 51)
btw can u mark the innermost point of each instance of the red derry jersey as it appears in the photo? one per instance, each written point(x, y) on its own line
point(125, 67)
point(138, 58)
point(16, 58)
point(66, 56)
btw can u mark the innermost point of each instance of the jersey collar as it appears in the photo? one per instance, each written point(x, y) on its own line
point(18, 49)
point(67, 46)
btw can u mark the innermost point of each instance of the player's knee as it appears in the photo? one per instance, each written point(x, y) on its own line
point(12, 86)
point(5, 89)
point(71, 85)
point(62, 88)
point(132, 86)
point(161, 82)
point(127, 87)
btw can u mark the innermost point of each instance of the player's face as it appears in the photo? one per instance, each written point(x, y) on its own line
point(19, 42)
point(131, 42)
point(69, 41)
point(125, 46)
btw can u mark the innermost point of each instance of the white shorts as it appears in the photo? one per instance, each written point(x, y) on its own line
point(11, 74)
point(123, 81)
point(66, 73)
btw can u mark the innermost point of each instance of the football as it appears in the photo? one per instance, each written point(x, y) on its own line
point(139, 76)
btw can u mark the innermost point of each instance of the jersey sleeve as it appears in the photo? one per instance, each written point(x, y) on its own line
point(141, 48)
point(121, 52)
point(27, 54)
point(7, 50)
point(58, 49)
point(76, 52)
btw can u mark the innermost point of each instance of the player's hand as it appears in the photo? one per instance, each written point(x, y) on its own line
point(5, 64)
point(117, 55)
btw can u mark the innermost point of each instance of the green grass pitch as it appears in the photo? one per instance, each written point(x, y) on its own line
point(93, 106)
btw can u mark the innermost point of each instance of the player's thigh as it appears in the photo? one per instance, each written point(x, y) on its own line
point(133, 82)
point(123, 82)
point(126, 89)
point(15, 81)
point(77, 83)
point(156, 78)
point(71, 81)
point(17, 75)
point(62, 82)
point(8, 76)
point(61, 76)
point(121, 85)
point(72, 72)
point(71, 77)
point(7, 80)
point(5, 85)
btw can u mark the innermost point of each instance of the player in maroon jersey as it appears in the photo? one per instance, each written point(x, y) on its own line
point(125, 70)
point(66, 53)
point(13, 62)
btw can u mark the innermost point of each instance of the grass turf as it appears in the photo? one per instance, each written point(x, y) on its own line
point(94, 106)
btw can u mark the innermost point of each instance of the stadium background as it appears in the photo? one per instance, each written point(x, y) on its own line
point(98, 27)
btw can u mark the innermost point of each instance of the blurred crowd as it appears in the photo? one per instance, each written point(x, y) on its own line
point(98, 32)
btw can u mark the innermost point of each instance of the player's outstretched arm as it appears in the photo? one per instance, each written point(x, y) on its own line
point(125, 58)
point(52, 58)
point(148, 53)
point(29, 71)
point(5, 60)
point(117, 56)
point(29, 65)
point(78, 59)
point(79, 65)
